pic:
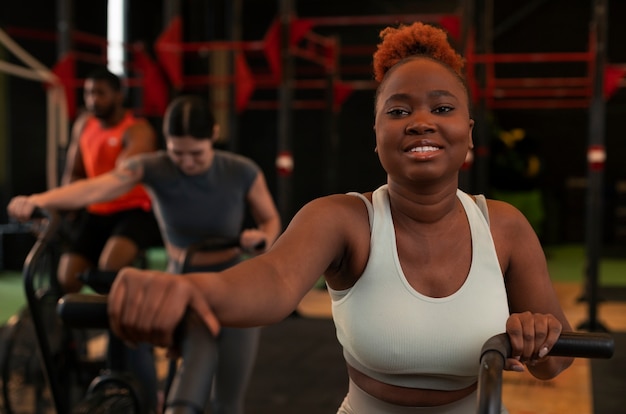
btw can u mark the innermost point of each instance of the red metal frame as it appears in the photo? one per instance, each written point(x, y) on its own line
point(531, 92)
point(319, 56)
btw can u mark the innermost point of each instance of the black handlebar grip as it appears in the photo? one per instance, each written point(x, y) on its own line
point(84, 311)
point(584, 345)
point(572, 344)
point(40, 213)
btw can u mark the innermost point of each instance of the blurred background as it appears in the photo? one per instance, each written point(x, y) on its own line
point(546, 78)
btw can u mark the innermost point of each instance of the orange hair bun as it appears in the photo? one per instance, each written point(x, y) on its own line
point(418, 39)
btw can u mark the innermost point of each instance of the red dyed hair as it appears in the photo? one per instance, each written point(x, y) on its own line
point(418, 39)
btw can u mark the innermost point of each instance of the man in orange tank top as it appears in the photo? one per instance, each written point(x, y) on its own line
point(106, 235)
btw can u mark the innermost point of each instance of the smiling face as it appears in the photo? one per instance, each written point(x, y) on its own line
point(423, 128)
point(191, 155)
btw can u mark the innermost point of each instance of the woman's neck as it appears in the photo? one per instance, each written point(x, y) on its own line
point(424, 204)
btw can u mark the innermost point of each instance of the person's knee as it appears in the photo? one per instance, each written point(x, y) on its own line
point(70, 266)
point(69, 284)
point(119, 251)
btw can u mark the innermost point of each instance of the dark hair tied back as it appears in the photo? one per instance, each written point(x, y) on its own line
point(189, 116)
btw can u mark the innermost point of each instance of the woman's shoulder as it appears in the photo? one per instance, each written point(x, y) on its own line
point(336, 218)
point(501, 207)
point(153, 162)
point(228, 159)
point(229, 156)
point(505, 216)
point(339, 208)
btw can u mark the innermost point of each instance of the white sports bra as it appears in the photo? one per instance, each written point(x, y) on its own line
point(391, 332)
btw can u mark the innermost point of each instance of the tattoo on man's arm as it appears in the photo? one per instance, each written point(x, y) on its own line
point(129, 170)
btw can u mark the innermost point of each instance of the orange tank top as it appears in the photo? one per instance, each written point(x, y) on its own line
point(100, 148)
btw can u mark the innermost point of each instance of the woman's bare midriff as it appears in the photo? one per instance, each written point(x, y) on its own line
point(204, 258)
point(404, 396)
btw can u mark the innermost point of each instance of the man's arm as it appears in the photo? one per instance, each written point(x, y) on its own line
point(81, 193)
point(138, 138)
point(74, 168)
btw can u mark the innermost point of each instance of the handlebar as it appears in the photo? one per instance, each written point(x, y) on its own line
point(33, 225)
point(497, 349)
point(209, 245)
point(101, 280)
point(188, 392)
point(214, 244)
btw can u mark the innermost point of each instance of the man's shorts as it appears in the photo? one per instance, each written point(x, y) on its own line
point(87, 233)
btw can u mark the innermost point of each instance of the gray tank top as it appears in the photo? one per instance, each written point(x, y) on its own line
point(193, 208)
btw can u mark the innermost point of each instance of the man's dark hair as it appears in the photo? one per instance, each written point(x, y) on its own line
point(103, 74)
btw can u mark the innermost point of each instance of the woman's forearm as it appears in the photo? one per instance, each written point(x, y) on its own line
point(249, 294)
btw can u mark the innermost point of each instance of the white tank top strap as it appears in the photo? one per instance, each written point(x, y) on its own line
point(368, 204)
point(481, 201)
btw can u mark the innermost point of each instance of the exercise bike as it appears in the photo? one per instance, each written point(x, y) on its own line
point(46, 365)
point(189, 392)
point(101, 282)
point(109, 387)
point(25, 362)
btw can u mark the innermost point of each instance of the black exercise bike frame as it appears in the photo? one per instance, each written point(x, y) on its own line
point(182, 384)
point(51, 221)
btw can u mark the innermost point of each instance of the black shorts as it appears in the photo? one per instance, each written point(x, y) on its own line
point(87, 233)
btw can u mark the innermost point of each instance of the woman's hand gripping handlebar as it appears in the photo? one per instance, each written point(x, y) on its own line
point(497, 349)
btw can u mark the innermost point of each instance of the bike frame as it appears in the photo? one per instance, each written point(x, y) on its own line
point(188, 393)
point(34, 257)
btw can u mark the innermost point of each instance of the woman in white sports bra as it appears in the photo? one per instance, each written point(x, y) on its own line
point(420, 273)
